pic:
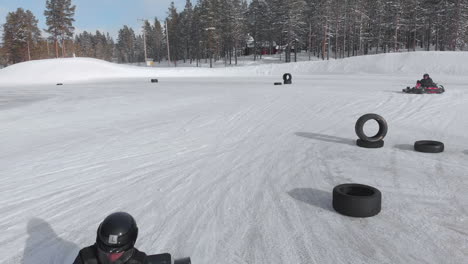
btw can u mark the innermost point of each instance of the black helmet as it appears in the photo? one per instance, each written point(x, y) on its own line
point(117, 233)
point(426, 75)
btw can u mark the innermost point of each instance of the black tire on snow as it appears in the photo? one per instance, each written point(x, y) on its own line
point(278, 83)
point(365, 144)
point(357, 200)
point(154, 80)
point(183, 261)
point(287, 78)
point(59, 83)
point(164, 258)
point(429, 146)
point(383, 128)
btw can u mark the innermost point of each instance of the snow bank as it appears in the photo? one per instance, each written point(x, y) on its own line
point(86, 69)
point(66, 70)
point(451, 63)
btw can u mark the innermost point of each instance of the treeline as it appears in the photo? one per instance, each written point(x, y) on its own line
point(214, 30)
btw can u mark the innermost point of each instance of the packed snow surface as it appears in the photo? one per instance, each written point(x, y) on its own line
point(232, 169)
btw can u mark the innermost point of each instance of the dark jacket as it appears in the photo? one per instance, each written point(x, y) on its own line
point(427, 83)
point(89, 255)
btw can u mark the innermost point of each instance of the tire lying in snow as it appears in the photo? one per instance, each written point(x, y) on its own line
point(278, 83)
point(383, 128)
point(166, 258)
point(287, 78)
point(429, 146)
point(357, 200)
point(154, 80)
point(366, 144)
point(183, 261)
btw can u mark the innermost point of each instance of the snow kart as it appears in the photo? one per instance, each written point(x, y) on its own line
point(438, 89)
point(166, 258)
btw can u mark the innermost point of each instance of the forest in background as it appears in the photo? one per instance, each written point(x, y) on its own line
point(213, 30)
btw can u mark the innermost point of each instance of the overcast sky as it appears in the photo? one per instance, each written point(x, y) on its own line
point(103, 15)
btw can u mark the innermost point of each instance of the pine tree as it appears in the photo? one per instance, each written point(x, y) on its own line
point(110, 50)
point(239, 25)
point(20, 35)
point(196, 34)
point(186, 18)
point(59, 19)
point(174, 28)
point(3, 58)
point(257, 19)
point(295, 25)
point(148, 35)
point(158, 40)
point(126, 45)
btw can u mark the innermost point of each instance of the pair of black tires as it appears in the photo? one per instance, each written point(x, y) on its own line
point(426, 146)
point(287, 79)
point(374, 141)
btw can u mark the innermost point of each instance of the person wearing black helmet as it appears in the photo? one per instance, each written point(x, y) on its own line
point(115, 240)
point(426, 82)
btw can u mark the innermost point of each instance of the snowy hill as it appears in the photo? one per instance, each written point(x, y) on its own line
point(231, 169)
point(73, 70)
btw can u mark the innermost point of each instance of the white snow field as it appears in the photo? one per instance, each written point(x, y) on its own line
point(225, 167)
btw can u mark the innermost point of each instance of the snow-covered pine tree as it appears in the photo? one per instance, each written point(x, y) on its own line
point(456, 23)
point(20, 35)
point(257, 20)
point(296, 26)
point(413, 16)
point(239, 26)
point(210, 27)
point(276, 21)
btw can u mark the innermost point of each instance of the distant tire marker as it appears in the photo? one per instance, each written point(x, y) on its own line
point(287, 78)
